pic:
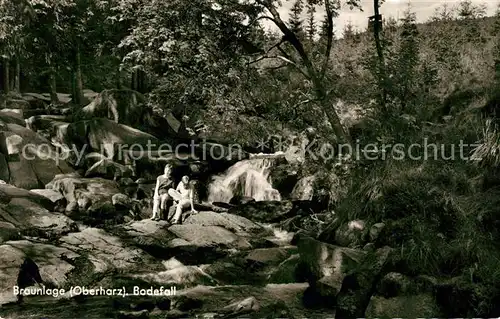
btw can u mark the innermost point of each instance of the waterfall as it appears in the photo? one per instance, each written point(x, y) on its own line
point(247, 178)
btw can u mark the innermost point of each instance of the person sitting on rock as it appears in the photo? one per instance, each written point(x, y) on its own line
point(183, 195)
point(161, 198)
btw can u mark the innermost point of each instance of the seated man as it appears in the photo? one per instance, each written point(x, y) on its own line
point(183, 195)
point(161, 198)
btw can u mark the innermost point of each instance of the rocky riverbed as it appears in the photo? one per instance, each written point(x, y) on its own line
point(83, 221)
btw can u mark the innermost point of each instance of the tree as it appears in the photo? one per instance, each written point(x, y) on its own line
point(443, 13)
point(349, 32)
point(315, 74)
point(467, 10)
point(377, 24)
point(405, 67)
point(295, 21)
point(311, 23)
point(15, 19)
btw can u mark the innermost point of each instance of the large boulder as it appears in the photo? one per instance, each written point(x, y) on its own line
point(32, 161)
point(416, 306)
point(32, 213)
point(207, 236)
point(264, 211)
point(234, 223)
point(109, 169)
point(326, 267)
point(357, 287)
point(128, 107)
point(106, 251)
point(85, 192)
point(107, 137)
point(304, 188)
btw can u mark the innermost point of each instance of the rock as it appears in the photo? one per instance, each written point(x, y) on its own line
point(44, 122)
point(290, 270)
point(128, 107)
point(270, 301)
point(239, 200)
point(353, 300)
point(304, 188)
point(230, 222)
point(85, 191)
point(9, 192)
point(284, 178)
point(206, 236)
point(109, 138)
point(8, 232)
point(369, 247)
point(33, 219)
point(17, 104)
point(142, 314)
point(51, 263)
point(270, 256)
point(327, 266)
point(31, 159)
point(375, 231)
point(34, 101)
point(4, 168)
point(55, 197)
point(29, 211)
point(121, 200)
point(393, 284)
point(108, 169)
point(106, 252)
point(418, 306)
point(178, 275)
point(231, 271)
point(351, 234)
point(12, 116)
point(244, 306)
point(264, 211)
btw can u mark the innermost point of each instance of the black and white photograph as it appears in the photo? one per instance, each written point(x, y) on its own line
point(252, 159)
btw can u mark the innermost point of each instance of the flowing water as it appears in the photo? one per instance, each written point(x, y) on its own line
point(246, 178)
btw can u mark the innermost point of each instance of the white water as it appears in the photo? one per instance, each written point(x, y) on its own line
point(247, 178)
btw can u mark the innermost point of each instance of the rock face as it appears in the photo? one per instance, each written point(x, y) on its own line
point(101, 135)
point(105, 251)
point(304, 189)
point(327, 267)
point(264, 211)
point(32, 213)
point(91, 196)
point(28, 160)
point(128, 107)
point(51, 264)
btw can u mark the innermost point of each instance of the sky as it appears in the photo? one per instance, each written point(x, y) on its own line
point(423, 9)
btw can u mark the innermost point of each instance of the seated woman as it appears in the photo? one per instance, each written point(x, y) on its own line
point(161, 197)
point(183, 195)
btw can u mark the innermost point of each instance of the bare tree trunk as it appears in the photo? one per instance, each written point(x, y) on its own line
point(17, 77)
point(133, 84)
point(6, 78)
point(78, 78)
point(311, 72)
point(119, 81)
point(53, 86)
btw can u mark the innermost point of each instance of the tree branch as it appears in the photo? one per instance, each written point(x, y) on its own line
point(265, 56)
point(294, 63)
point(260, 18)
point(288, 35)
